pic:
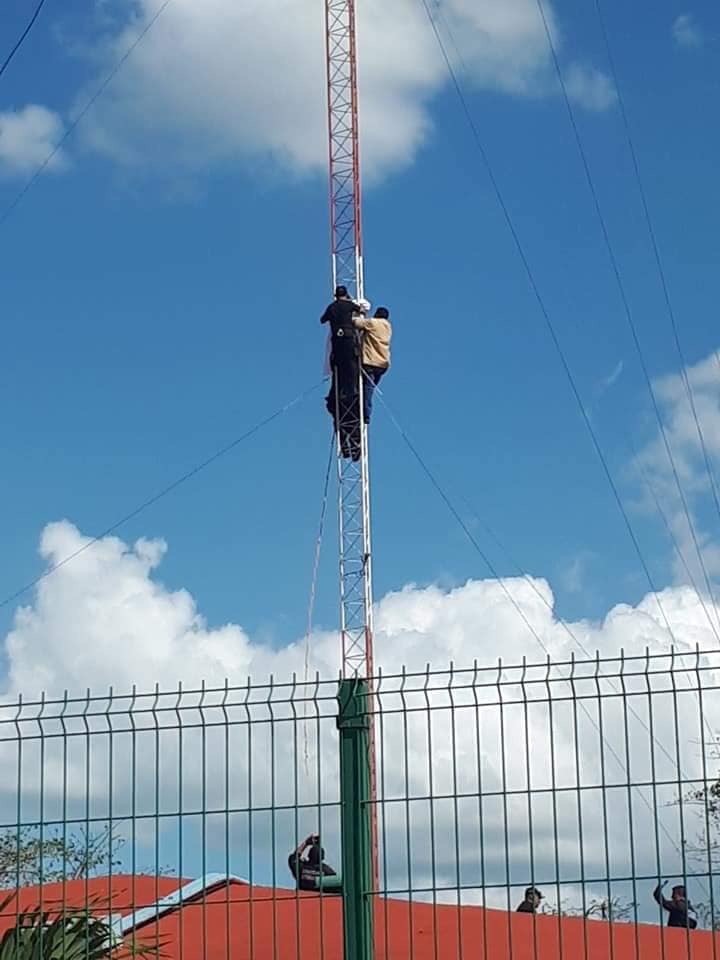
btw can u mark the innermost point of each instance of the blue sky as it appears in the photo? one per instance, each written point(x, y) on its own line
point(163, 281)
point(154, 309)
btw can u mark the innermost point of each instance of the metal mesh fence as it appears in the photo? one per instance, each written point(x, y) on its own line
point(170, 818)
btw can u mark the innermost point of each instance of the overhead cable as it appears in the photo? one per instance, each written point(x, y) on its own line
point(72, 126)
point(510, 223)
point(170, 488)
point(615, 266)
point(647, 483)
point(656, 253)
point(21, 39)
point(501, 582)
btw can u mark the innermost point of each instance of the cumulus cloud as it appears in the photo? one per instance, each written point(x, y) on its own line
point(686, 31)
point(27, 137)
point(106, 619)
point(222, 81)
point(589, 87)
point(686, 437)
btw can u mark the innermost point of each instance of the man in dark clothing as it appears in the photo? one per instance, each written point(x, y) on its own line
point(341, 311)
point(345, 365)
point(307, 866)
point(678, 906)
point(531, 901)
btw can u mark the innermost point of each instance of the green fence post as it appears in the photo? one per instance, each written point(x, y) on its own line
point(355, 821)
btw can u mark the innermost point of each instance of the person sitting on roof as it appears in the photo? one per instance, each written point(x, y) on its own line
point(531, 901)
point(309, 869)
point(342, 401)
point(376, 335)
point(678, 907)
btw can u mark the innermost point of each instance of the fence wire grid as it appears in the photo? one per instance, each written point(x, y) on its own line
point(169, 818)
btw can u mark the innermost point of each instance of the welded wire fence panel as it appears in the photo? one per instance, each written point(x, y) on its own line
point(163, 822)
point(114, 803)
point(532, 810)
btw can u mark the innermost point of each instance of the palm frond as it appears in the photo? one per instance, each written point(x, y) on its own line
point(73, 934)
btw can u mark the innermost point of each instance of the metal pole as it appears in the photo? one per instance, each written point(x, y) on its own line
point(355, 818)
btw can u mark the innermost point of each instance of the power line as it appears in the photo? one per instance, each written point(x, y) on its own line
point(546, 315)
point(170, 488)
point(468, 533)
point(671, 533)
point(72, 126)
point(31, 23)
point(646, 481)
point(465, 528)
point(565, 625)
point(543, 309)
point(615, 266)
point(656, 250)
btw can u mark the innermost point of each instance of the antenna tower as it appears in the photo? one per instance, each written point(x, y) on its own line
point(356, 597)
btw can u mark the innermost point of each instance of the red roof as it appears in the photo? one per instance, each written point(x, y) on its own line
point(240, 922)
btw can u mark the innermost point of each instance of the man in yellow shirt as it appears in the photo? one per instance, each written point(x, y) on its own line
point(376, 336)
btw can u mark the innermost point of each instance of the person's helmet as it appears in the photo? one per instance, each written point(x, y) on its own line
point(533, 891)
point(340, 291)
point(679, 890)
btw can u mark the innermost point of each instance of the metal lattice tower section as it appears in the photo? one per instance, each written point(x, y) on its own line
point(356, 595)
point(347, 268)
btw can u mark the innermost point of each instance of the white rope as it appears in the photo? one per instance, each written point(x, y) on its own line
point(311, 604)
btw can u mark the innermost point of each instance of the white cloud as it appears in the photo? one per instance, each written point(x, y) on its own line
point(574, 576)
point(227, 82)
point(105, 619)
point(27, 137)
point(684, 439)
point(686, 31)
point(589, 87)
point(605, 383)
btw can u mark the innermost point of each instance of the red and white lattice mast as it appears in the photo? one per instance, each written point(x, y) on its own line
point(356, 597)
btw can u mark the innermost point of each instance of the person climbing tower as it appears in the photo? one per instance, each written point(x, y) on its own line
point(342, 400)
point(376, 335)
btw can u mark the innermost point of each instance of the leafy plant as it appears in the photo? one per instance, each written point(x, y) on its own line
point(28, 856)
point(707, 799)
point(72, 934)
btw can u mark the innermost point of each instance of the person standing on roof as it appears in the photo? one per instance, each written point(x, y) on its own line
point(308, 867)
point(344, 363)
point(678, 906)
point(376, 336)
point(531, 902)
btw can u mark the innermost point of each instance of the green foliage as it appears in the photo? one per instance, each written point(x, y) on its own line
point(707, 799)
point(29, 857)
point(73, 934)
